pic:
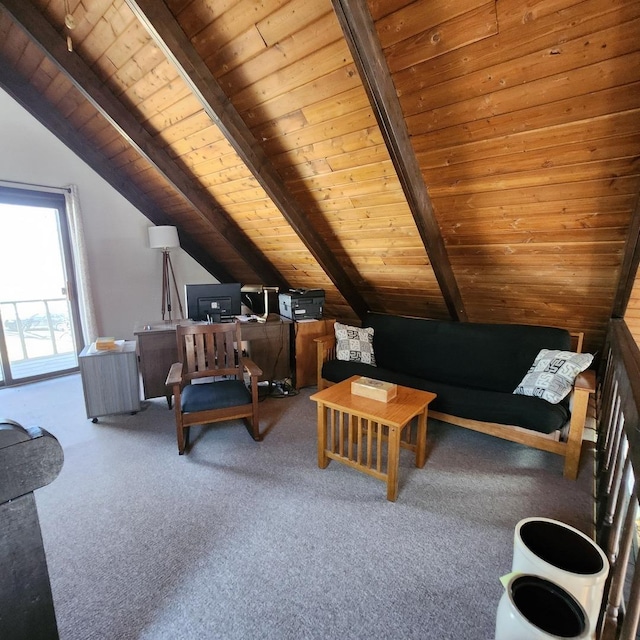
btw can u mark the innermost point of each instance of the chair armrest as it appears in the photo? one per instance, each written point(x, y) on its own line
point(324, 346)
point(175, 375)
point(586, 381)
point(251, 367)
point(584, 386)
point(325, 349)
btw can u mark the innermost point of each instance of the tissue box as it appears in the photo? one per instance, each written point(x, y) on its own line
point(374, 389)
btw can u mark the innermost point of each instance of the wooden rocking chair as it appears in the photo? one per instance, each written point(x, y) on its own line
point(212, 352)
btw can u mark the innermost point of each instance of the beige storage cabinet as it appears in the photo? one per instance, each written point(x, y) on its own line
point(110, 380)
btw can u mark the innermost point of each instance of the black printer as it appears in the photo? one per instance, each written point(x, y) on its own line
point(302, 304)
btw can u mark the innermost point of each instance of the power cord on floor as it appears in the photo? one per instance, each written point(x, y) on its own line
point(277, 389)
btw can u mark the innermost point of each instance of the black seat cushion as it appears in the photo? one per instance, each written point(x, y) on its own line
point(476, 404)
point(214, 395)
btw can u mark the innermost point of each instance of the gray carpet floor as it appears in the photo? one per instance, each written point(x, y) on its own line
point(240, 540)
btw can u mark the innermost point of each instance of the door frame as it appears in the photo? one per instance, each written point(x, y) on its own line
point(49, 198)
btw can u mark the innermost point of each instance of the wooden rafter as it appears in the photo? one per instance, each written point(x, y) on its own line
point(168, 35)
point(360, 33)
point(85, 80)
point(31, 100)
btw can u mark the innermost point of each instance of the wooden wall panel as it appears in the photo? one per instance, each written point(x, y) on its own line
point(291, 18)
point(528, 143)
point(448, 35)
point(102, 136)
point(309, 40)
point(544, 35)
point(303, 100)
point(522, 114)
point(167, 109)
point(310, 93)
point(599, 130)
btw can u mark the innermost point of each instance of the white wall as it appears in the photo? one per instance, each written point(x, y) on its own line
point(125, 274)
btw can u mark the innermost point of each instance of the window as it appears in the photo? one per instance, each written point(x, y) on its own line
point(39, 320)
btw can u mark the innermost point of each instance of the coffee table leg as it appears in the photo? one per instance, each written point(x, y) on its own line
point(421, 444)
point(393, 453)
point(323, 459)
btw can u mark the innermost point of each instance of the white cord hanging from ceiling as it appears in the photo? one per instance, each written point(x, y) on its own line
point(70, 23)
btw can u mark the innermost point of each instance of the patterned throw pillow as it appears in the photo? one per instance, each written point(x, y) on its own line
point(552, 374)
point(354, 344)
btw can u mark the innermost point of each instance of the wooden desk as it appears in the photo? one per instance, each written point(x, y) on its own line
point(269, 346)
point(353, 430)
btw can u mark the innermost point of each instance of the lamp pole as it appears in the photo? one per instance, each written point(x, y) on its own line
point(167, 275)
point(165, 238)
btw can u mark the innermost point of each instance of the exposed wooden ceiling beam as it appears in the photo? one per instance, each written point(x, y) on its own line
point(360, 33)
point(85, 80)
point(169, 37)
point(31, 100)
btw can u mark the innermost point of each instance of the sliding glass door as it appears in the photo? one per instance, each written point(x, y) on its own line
point(39, 320)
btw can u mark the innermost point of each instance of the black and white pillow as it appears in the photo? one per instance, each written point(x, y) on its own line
point(552, 374)
point(354, 344)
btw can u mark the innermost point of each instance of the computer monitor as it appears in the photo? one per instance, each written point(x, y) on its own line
point(213, 302)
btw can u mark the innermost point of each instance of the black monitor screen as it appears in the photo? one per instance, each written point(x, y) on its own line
point(213, 302)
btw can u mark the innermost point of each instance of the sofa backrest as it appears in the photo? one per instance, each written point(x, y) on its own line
point(482, 356)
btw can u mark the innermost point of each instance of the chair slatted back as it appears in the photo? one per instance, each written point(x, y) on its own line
point(209, 350)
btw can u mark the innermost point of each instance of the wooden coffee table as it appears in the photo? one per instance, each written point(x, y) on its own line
point(353, 430)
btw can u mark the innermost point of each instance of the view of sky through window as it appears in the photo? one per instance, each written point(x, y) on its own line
point(30, 259)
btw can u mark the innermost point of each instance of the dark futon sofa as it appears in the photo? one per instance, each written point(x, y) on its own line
point(474, 369)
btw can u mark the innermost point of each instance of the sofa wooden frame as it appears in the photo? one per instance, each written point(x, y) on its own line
point(569, 446)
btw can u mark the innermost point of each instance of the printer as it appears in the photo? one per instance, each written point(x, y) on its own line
point(302, 304)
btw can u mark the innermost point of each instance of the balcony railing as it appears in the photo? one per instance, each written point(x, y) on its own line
point(38, 336)
point(617, 469)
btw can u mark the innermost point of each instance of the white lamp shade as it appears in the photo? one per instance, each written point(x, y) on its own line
point(163, 237)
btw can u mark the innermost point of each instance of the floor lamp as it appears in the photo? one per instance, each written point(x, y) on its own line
point(166, 238)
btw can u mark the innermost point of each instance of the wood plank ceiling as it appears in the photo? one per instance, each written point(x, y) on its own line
point(472, 159)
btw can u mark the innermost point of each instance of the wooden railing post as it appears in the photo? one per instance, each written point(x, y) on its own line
point(618, 442)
